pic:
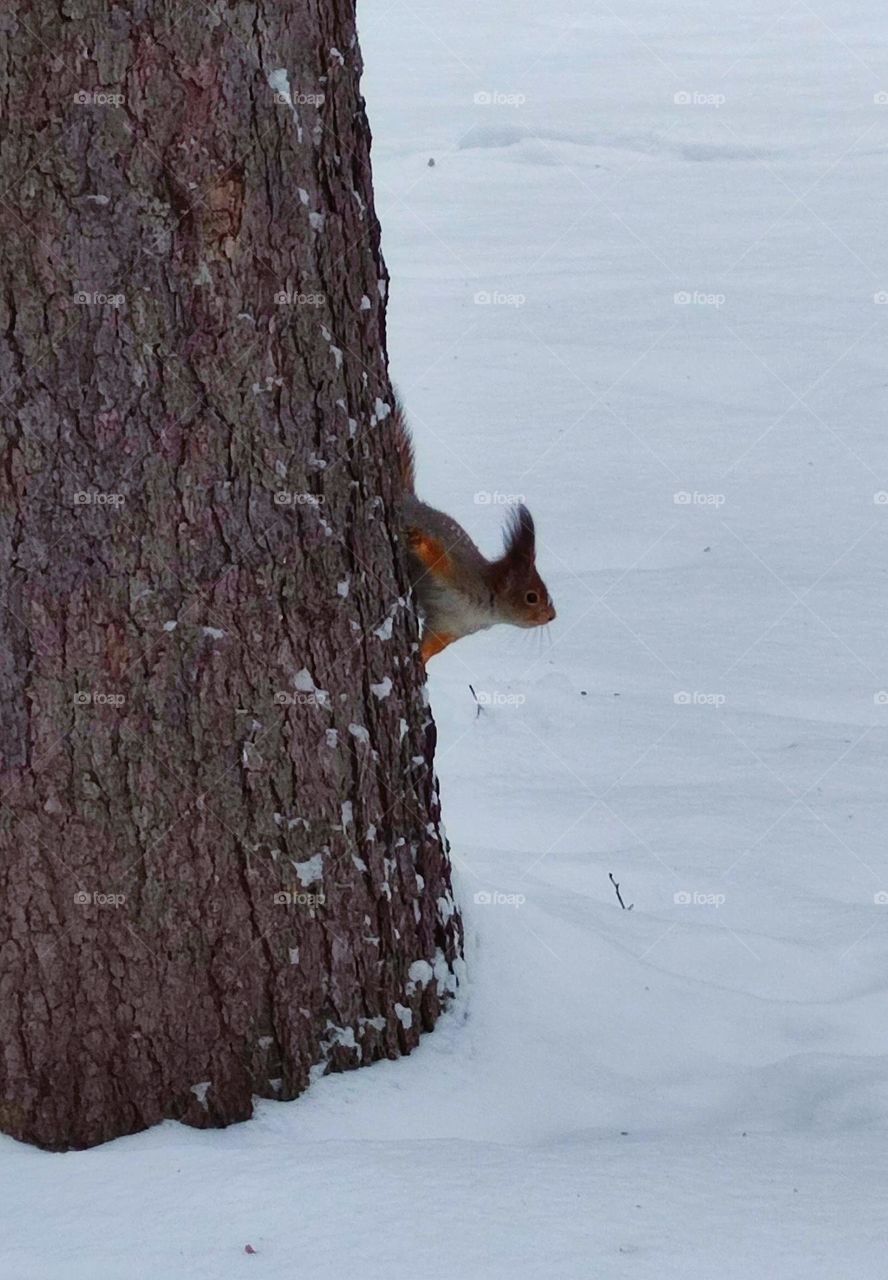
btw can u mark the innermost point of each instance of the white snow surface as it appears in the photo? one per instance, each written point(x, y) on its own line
point(696, 1087)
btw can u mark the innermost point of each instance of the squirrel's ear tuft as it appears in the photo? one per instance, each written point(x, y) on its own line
point(520, 537)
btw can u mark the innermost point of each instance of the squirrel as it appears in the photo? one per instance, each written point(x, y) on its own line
point(457, 590)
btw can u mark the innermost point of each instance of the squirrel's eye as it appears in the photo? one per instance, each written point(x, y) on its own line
point(532, 597)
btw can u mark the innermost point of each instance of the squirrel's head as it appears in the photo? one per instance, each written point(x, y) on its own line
point(519, 593)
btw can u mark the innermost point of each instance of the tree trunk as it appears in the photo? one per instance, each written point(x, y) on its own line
point(221, 864)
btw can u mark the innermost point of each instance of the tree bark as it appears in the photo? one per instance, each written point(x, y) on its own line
point(221, 863)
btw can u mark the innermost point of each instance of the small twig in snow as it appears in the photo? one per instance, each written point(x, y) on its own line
point(610, 876)
point(477, 703)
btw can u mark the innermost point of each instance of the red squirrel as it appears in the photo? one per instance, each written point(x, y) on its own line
point(457, 590)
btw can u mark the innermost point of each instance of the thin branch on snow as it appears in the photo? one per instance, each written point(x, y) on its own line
point(610, 876)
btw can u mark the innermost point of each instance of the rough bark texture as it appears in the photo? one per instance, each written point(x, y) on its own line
point(221, 865)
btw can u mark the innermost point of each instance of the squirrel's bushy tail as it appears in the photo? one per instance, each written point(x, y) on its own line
point(403, 445)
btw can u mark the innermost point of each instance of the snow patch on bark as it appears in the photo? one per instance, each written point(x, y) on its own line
point(420, 972)
point(404, 1016)
point(311, 870)
point(303, 683)
point(200, 1092)
point(279, 81)
point(446, 977)
point(344, 1036)
point(377, 1023)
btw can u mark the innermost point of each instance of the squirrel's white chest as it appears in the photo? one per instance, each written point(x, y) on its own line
point(453, 613)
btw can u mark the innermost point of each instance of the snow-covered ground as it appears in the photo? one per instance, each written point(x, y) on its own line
point(698, 1087)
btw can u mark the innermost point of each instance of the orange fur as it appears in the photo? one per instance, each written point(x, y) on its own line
point(432, 552)
point(432, 644)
